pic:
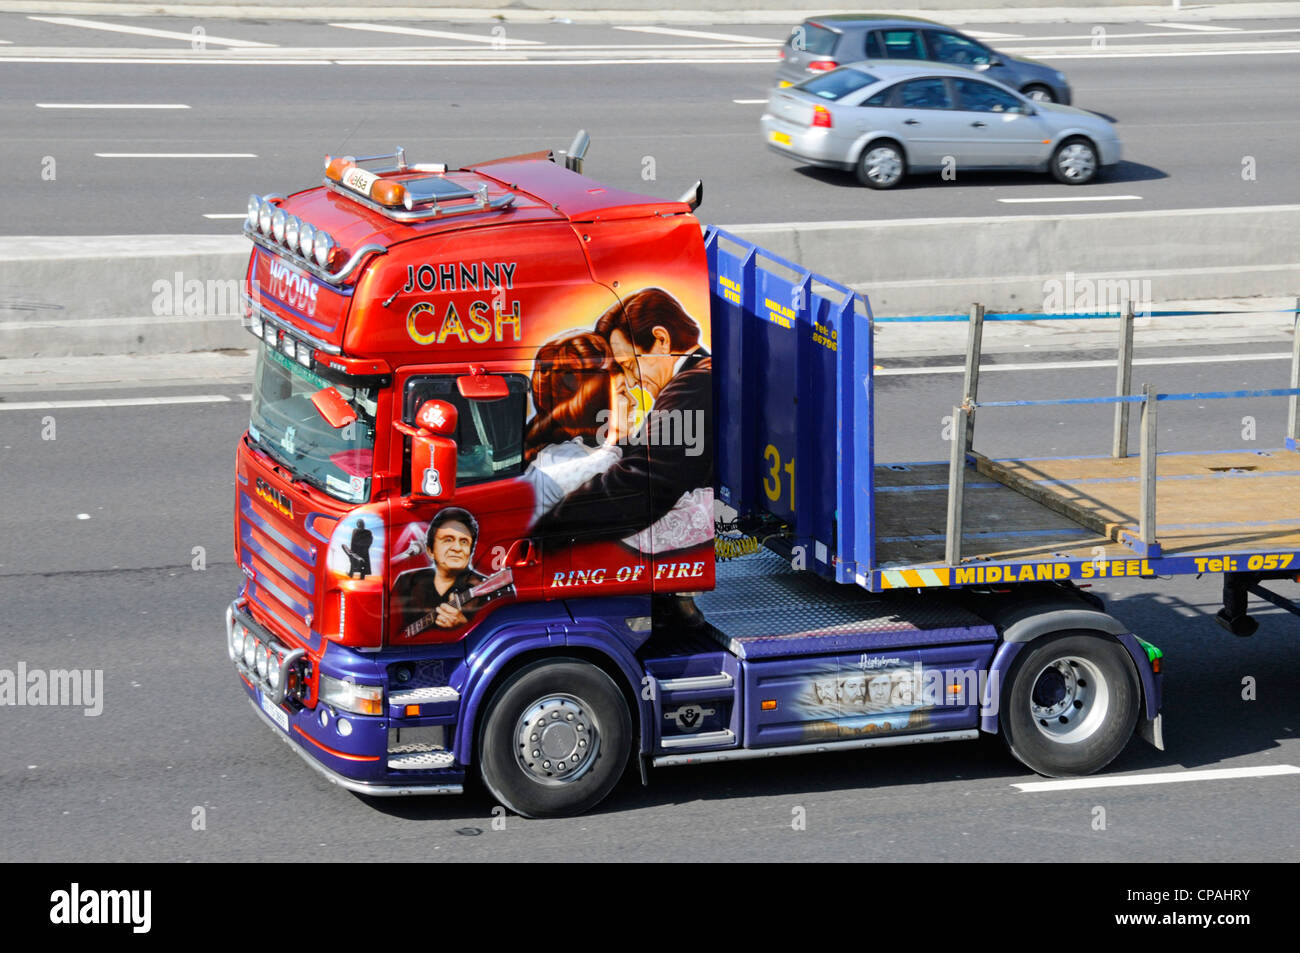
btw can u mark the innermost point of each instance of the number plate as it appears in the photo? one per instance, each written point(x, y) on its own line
point(275, 711)
point(781, 138)
point(359, 180)
point(785, 84)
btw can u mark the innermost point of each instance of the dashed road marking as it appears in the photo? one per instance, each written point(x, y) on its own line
point(1164, 777)
point(437, 34)
point(699, 34)
point(148, 31)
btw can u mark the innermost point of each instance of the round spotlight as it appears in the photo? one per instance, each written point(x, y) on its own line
point(306, 235)
point(278, 222)
point(324, 717)
point(344, 727)
point(291, 233)
point(259, 662)
point(254, 210)
point(273, 669)
point(264, 213)
point(250, 651)
point(322, 247)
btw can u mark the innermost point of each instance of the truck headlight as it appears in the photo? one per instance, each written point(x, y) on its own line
point(265, 212)
point(291, 226)
point(250, 650)
point(321, 248)
point(351, 696)
point(254, 210)
point(306, 235)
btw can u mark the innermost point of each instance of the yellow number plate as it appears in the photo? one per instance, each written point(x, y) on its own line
point(782, 138)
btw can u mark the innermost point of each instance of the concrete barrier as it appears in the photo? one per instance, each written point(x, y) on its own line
point(176, 293)
point(1014, 263)
point(115, 294)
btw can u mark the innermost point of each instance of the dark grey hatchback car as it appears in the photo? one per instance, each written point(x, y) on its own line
point(823, 43)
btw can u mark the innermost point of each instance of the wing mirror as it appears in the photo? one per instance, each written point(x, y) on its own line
point(433, 450)
point(482, 387)
point(329, 403)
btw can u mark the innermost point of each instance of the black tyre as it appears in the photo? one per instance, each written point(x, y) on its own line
point(1039, 93)
point(1070, 704)
point(1075, 162)
point(555, 739)
point(882, 165)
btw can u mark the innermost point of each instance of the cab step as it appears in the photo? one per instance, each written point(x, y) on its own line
point(419, 757)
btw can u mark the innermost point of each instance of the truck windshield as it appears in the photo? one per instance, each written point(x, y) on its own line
point(286, 425)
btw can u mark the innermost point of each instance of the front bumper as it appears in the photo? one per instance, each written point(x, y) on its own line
point(351, 750)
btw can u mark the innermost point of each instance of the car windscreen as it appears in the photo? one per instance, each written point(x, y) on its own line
point(838, 83)
point(811, 38)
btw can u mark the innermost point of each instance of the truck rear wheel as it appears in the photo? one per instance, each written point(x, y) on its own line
point(1070, 704)
point(555, 740)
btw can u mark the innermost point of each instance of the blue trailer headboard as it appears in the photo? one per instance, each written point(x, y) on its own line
point(794, 403)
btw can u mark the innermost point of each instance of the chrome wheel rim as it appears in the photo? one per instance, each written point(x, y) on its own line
point(1041, 96)
point(883, 166)
point(1069, 700)
point(557, 739)
point(1076, 161)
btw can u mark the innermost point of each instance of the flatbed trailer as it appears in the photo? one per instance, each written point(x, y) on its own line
point(973, 520)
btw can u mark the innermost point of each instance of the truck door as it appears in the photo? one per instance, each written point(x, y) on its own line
point(453, 558)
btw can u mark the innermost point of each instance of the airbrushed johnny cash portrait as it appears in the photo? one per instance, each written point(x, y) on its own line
point(448, 591)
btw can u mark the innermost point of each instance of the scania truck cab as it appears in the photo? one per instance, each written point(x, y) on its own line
point(475, 506)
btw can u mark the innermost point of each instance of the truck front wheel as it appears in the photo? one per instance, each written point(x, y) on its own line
point(555, 739)
point(1070, 704)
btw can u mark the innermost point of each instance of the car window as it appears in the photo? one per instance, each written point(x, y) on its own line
point(881, 98)
point(924, 94)
point(811, 38)
point(838, 83)
point(956, 49)
point(985, 97)
point(873, 46)
point(903, 44)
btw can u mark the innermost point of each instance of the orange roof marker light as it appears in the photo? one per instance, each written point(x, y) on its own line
point(345, 171)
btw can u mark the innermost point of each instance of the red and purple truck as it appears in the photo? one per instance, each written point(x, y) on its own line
point(495, 413)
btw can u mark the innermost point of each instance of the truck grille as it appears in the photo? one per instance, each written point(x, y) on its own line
point(284, 576)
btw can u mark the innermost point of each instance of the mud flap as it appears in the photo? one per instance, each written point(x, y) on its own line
point(1152, 731)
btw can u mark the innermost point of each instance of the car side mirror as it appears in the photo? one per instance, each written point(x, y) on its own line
point(994, 61)
point(1028, 109)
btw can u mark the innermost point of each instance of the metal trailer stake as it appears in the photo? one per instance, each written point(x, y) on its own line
point(1147, 523)
point(957, 482)
point(974, 347)
point(1123, 382)
point(1293, 412)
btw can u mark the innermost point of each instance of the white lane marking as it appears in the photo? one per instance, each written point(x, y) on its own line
point(1135, 36)
point(1118, 56)
point(1198, 27)
point(989, 35)
point(699, 34)
point(753, 58)
point(1171, 777)
point(438, 34)
point(175, 155)
point(1075, 198)
point(147, 31)
point(225, 215)
point(117, 402)
point(1081, 365)
point(111, 106)
point(6, 42)
point(749, 102)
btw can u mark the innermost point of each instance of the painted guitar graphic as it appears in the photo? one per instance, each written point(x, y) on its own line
point(495, 586)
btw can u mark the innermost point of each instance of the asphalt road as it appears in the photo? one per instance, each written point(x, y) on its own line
point(96, 571)
point(1194, 108)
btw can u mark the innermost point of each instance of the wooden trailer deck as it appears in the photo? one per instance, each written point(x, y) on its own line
point(1207, 505)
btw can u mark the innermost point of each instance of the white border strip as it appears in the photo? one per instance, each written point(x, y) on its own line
point(1171, 777)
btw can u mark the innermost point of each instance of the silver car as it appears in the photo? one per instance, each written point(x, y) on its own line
point(883, 120)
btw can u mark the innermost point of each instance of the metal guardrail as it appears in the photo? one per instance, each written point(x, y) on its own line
point(1145, 544)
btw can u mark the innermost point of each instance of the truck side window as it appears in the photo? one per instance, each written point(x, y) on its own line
point(489, 434)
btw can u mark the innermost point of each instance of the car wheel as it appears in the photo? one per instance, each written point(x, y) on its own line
point(556, 739)
point(1075, 162)
point(881, 165)
point(1039, 94)
point(1070, 704)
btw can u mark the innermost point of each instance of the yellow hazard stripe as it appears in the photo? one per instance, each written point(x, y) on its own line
point(913, 578)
